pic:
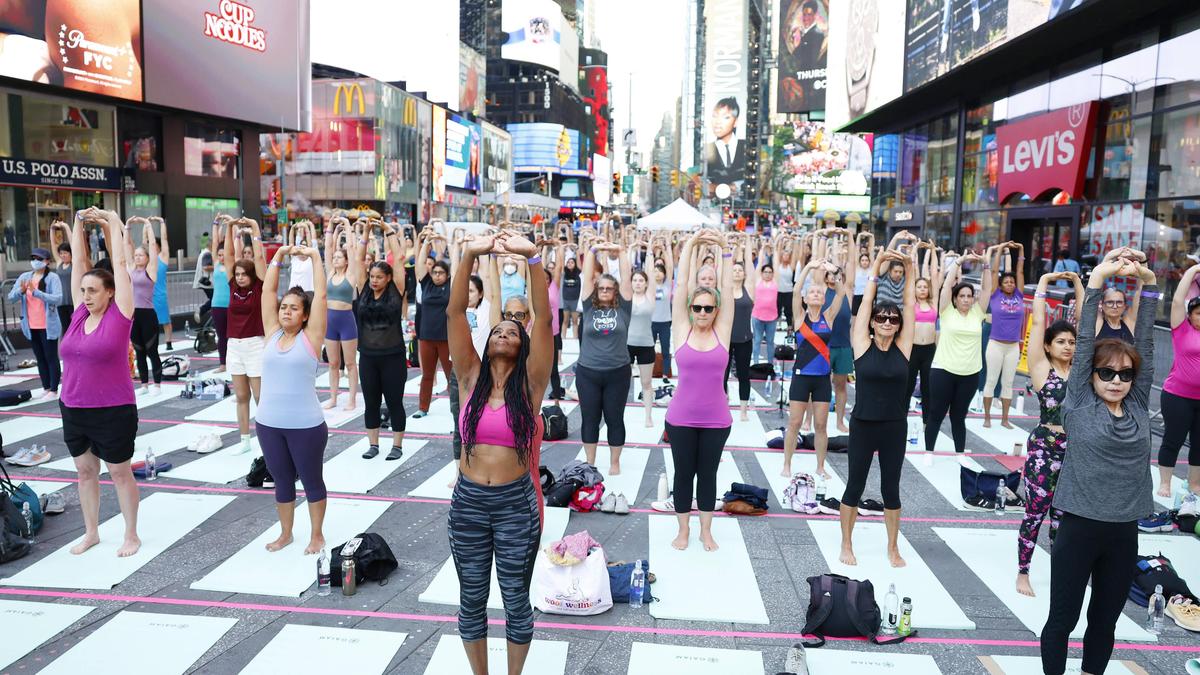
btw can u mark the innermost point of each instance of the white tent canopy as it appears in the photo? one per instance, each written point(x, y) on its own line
point(678, 215)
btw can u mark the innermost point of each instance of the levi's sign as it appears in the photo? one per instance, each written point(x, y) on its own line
point(1046, 152)
point(38, 173)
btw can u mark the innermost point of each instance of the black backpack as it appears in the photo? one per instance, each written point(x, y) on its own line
point(839, 606)
point(562, 491)
point(373, 561)
point(554, 421)
point(762, 371)
point(258, 473)
point(14, 396)
point(1156, 570)
point(206, 340)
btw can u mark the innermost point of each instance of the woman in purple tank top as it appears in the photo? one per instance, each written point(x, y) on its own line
point(99, 414)
point(698, 419)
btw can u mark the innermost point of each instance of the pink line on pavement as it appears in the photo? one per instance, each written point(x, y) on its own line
point(545, 625)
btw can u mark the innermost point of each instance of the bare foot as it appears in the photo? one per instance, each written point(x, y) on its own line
point(349, 406)
point(1164, 490)
point(680, 543)
point(842, 428)
point(330, 404)
point(614, 470)
point(84, 545)
point(787, 471)
point(220, 369)
point(987, 422)
point(847, 556)
point(1006, 424)
point(649, 423)
point(315, 545)
point(452, 483)
point(895, 559)
point(709, 544)
point(283, 540)
point(745, 417)
point(824, 474)
point(1023, 586)
point(129, 547)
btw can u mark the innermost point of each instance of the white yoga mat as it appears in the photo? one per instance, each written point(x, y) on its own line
point(323, 649)
point(633, 467)
point(756, 399)
point(443, 590)
point(943, 471)
point(349, 472)
point(289, 572)
point(772, 464)
point(29, 624)
point(167, 392)
point(1177, 484)
point(1032, 665)
point(29, 371)
point(546, 657)
point(727, 473)
point(163, 519)
point(996, 436)
point(220, 467)
point(567, 360)
point(847, 662)
point(438, 421)
point(570, 346)
point(164, 441)
point(655, 659)
point(698, 585)
point(1182, 549)
point(992, 555)
point(338, 415)
point(14, 430)
point(749, 434)
point(933, 605)
point(156, 644)
point(11, 378)
point(437, 486)
point(323, 381)
point(224, 410)
point(636, 430)
point(43, 487)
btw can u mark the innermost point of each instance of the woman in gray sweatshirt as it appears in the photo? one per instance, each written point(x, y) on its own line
point(1102, 490)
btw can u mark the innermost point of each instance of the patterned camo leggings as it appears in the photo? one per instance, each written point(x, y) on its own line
point(1045, 448)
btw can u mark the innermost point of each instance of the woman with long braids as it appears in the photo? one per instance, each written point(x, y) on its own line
point(144, 332)
point(245, 321)
point(1106, 415)
point(1180, 401)
point(382, 365)
point(496, 507)
point(341, 332)
point(1007, 309)
point(1049, 368)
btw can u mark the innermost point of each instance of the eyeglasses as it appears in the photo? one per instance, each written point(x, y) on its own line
point(1114, 303)
point(606, 289)
point(515, 316)
point(1107, 374)
point(703, 309)
point(893, 319)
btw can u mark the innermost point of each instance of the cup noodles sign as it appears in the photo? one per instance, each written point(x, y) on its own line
point(1045, 152)
point(232, 25)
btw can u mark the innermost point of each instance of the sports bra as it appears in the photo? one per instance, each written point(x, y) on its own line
point(493, 428)
point(926, 315)
point(340, 291)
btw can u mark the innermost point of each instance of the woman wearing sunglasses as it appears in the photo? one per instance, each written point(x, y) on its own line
point(1106, 416)
point(1114, 318)
point(698, 419)
point(1180, 400)
point(882, 340)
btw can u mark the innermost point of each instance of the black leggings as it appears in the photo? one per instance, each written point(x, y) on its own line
point(739, 356)
point(220, 319)
point(920, 364)
point(953, 393)
point(144, 336)
point(556, 390)
point(867, 438)
point(1181, 418)
point(603, 394)
point(1105, 553)
point(783, 305)
point(382, 379)
point(697, 454)
point(46, 353)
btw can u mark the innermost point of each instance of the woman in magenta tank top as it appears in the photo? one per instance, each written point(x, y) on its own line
point(698, 419)
point(99, 414)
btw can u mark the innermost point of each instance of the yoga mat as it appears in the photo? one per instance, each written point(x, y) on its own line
point(133, 643)
point(996, 436)
point(655, 659)
point(224, 410)
point(220, 467)
point(567, 360)
point(772, 464)
point(633, 466)
point(943, 473)
point(43, 487)
point(1032, 665)
point(289, 572)
point(698, 585)
point(413, 385)
point(11, 378)
point(437, 486)
point(756, 399)
point(29, 624)
point(1182, 549)
point(636, 430)
point(443, 590)
point(749, 434)
point(992, 555)
point(727, 473)
point(349, 472)
point(847, 662)
point(1177, 484)
point(323, 381)
point(24, 428)
point(339, 416)
point(324, 649)
point(933, 607)
point(438, 421)
point(546, 657)
point(164, 441)
point(163, 519)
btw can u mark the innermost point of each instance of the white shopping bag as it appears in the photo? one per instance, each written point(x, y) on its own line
point(578, 590)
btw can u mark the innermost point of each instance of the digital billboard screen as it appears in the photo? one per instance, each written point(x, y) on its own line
point(810, 158)
point(803, 51)
point(725, 91)
point(462, 153)
point(866, 58)
point(534, 32)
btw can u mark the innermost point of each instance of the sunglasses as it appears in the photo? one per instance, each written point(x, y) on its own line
point(1107, 374)
point(893, 319)
point(606, 289)
point(515, 316)
point(35, 257)
point(703, 309)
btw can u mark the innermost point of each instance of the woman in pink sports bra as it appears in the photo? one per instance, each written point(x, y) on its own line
point(925, 329)
point(698, 419)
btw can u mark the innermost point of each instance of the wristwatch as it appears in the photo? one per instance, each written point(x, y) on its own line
point(860, 53)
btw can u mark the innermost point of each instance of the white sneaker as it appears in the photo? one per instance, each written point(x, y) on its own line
point(156, 389)
point(621, 505)
point(665, 506)
point(36, 457)
point(797, 660)
point(17, 459)
point(608, 502)
point(1189, 506)
point(145, 389)
point(207, 443)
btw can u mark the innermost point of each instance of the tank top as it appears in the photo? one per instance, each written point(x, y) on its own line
point(160, 284)
point(143, 289)
point(700, 399)
point(96, 365)
point(380, 324)
point(570, 290)
point(766, 299)
point(220, 297)
point(340, 291)
point(785, 278)
point(742, 308)
point(639, 324)
point(1050, 399)
point(926, 315)
point(288, 399)
point(812, 353)
point(662, 304)
point(1107, 331)
point(301, 273)
point(881, 378)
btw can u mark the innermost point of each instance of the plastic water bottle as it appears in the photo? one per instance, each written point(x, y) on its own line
point(820, 488)
point(1001, 505)
point(891, 611)
point(1154, 611)
point(323, 578)
point(905, 626)
point(151, 465)
point(1021, 403)
point(27, 514)
point(637, 585)
point(914, 427)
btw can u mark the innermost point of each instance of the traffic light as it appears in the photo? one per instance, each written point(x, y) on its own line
point(654, 174)
point(696, 191)
point(616, 183)
point(674, 177)
point(542, 185)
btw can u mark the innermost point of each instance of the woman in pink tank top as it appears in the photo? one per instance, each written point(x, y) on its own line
point(99, 414)
point(698, 419)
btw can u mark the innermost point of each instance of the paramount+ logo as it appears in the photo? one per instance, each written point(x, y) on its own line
point(232, 24)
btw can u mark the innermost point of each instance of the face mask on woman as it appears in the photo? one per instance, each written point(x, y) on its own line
point(510, 268)
point(37, 265)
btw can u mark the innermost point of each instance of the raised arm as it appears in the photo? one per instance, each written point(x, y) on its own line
point(462, 348)
point(391, 239)
point(58, 234)
point(626, 276)
point(1079, 384)
point(588, 281)
point(269, 307)
point(260, 261)
point(860, 329)
point(724, 323)
point(422, 254)
point(1036, 356)
point(1180, 299)
point(318, 315)
point(164, 244)
point(152, 254)
point(231, 252)
point(124, 285)
point(81, 262)
point(126, 240)
point(679, 304)
point(988, 281)
point(952, 274)
point(1020, 271)
point(541, 339)
point(1143, 333)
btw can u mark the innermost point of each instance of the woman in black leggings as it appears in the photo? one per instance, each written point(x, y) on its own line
point(925, 316)
point(882, 339)
point(741, 339)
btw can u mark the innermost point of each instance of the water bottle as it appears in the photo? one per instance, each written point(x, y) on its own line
point(27, 514)
point(1001, 505)
point(1021, 403)
point(1154, 611)
point(820, 488)
point(664, 492)
point(637, 585)
point(323, 579)
point(914, 426)
point(891, 609)
point(349, 580)
point(151, 465)
point(905, 626)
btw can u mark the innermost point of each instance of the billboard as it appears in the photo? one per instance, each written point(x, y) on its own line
point(810, 158)
point(497, 160)
point(594, 82)
point(245, 60)
point(725, 90)
point(472, 81)
point(463, 148)
point(438, 162)
point(803, 51)
point(866, 58)
point(544, 147)
point(424, 161)
point(533, 32)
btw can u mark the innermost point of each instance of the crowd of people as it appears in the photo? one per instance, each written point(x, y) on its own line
point(493, 306)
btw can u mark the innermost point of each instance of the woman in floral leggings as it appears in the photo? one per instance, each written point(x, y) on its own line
point(1048, 370)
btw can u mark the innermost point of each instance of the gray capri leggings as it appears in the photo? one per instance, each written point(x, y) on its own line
point(504, 520)
point(291, 453)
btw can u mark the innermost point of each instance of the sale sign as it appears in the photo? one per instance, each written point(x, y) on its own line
point(1045, 152)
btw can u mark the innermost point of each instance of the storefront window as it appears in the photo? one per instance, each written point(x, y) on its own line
point(980, 229)
point(142, 205)
point(1126, 80)
point(1176, 165)
point(1125, 157)
point(1168, 234)
point(66, 131)
point(141, 140)
point(210, 151)
point(200, 214)
point(938, 227)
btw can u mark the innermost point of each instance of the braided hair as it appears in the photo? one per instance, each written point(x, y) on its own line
point(519, 407)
